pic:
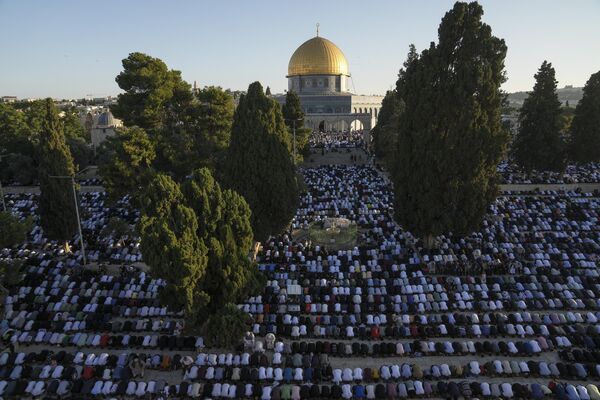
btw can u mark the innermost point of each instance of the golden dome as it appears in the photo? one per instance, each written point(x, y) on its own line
point(318, 56)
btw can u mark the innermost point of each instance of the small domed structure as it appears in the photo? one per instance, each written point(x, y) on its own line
point(104, 127)
point(105, 120)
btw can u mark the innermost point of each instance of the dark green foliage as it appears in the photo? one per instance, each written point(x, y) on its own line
point(385, 133)
point(293, 115)
point(259, 164)
point(19, 168)
point(81, 151)
point(539, 144)
point(450, 137)
point(150, 92)
point(56, 205)
point(12, 231)
point(198, 237)
point(14, 133)
point(585, 128)
point(212, 130)
point(11, 274)
point(187, 131)
point(170, 245)
point(225, 329)
point(126, 162)
point(73, 127)
point(224, 227)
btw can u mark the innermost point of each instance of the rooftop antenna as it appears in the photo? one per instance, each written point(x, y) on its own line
point(318, 29)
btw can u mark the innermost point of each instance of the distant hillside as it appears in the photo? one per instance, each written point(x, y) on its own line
point(568, 93)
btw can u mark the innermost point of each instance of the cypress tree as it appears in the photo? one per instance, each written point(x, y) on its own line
point(170, 245)
point(259, 164)
point(57, 208)
point(224, 228)
point(539, 144)
point(585, 128)
point(450, 137)
point(385, 133)
point(293, 114)
point(198, 237)
point(213, 119)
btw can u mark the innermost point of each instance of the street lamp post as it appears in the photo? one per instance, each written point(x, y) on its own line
point(72, 178)
point(294, 134)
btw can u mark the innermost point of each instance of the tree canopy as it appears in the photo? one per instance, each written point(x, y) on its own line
point(450, 138)
point(385, 133)
point(127, 168)
point(56, 206)
point(539, 144)
point(585, 128)
point(12, 231)
point(259, 164)
point(294, 117)
point(20, 127)
point(198, 237)
point(187, 130)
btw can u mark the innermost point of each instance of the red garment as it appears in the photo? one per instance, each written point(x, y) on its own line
point(88, 372)
point(375, 332)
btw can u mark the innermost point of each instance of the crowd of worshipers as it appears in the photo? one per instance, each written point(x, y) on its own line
point(573, 173)
point(511, 311)
point(331, 140)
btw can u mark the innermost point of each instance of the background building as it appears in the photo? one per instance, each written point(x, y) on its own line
point(103, 126)
point(318, 72)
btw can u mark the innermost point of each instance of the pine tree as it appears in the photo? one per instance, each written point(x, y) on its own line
point(585, 128)
point(150, 94)
point(450, 137)
point(259, 164)
point(57, 208)
point(539, 144)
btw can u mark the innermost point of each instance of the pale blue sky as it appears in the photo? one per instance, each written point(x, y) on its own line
point(72, 48)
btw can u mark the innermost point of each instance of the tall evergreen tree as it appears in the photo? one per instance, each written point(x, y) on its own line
point(450, 137)
point(57, 209)
point(224, 227)
point(294, 118)
point(259, 164)
point(212, 129)
point(385, 133)
point(539, 144)
point(198, 237)
point(585, 128)
point(170, 245)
